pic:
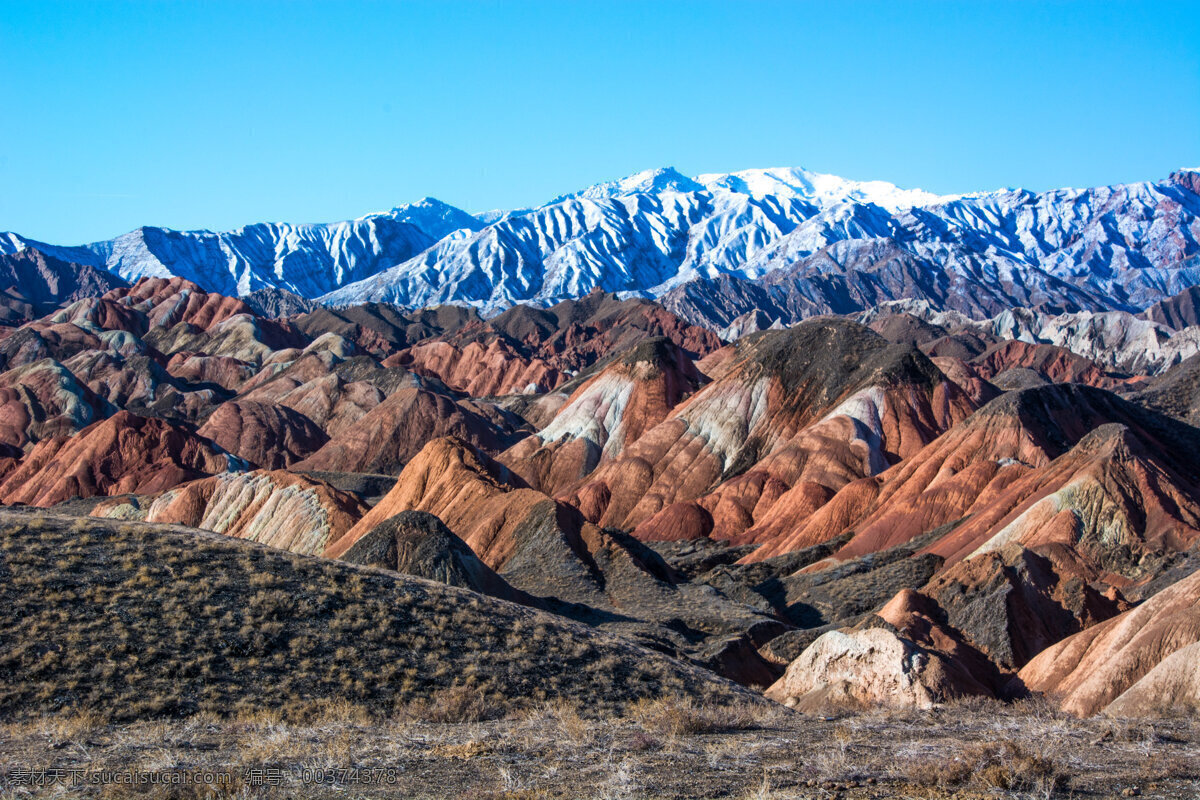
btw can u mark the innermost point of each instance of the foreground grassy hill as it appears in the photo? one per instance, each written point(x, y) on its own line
point(133, 621)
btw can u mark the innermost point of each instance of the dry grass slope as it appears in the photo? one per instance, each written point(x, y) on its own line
point(137, 621)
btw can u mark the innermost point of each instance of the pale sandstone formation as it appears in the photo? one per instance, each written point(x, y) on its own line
point(1172, 687)
point(861, 669)
point(277, 508)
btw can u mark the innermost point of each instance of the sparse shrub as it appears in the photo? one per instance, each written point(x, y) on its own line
point(1037, 706)
point(640, 742)
point(456, 704)
point(463, 751)
point(1002, 764)
point(684, 716)
point(977, 704)
point(76, 726)
point(759, 792)
point(563, 717)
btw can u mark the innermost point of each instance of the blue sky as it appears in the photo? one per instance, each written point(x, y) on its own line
point(214, 114)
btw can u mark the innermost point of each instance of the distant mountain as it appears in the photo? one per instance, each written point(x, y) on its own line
point(46, 281)
point(307, 260)
point(785, 241)
point(1178, 312)
point(1116, 340)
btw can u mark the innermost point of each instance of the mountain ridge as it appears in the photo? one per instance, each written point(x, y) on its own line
point(802, 242)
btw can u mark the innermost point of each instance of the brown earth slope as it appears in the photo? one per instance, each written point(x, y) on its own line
point(1092, 477)
point(604, 414)
point(1087, 672)
point(124, 454)
point(791, 417)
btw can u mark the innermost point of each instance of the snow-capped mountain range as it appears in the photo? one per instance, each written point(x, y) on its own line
point(786, 240)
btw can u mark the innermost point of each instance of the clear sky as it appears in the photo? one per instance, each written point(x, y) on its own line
point(214, 114)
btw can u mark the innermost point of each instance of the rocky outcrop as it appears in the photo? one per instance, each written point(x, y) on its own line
point(1176, 392)
point(228, 373)
point(276, 303)
point(418, 543)
point(479, 370)
point(1177, 312)
point(1013, 603)
point(268, 436)
point(15, 308)
point(752, 321)
point(1019, 378)
point(1087, 672)
point(904, 656)
point(124, 454)
point(1055, 364)
point(394, 431)
point(903, 328)
point(383, 329)
point(867, 668)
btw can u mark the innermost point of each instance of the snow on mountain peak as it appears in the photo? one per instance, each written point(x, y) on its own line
point(818, 187)
point(783, 182)
point(663, 179)
point(435, 218)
